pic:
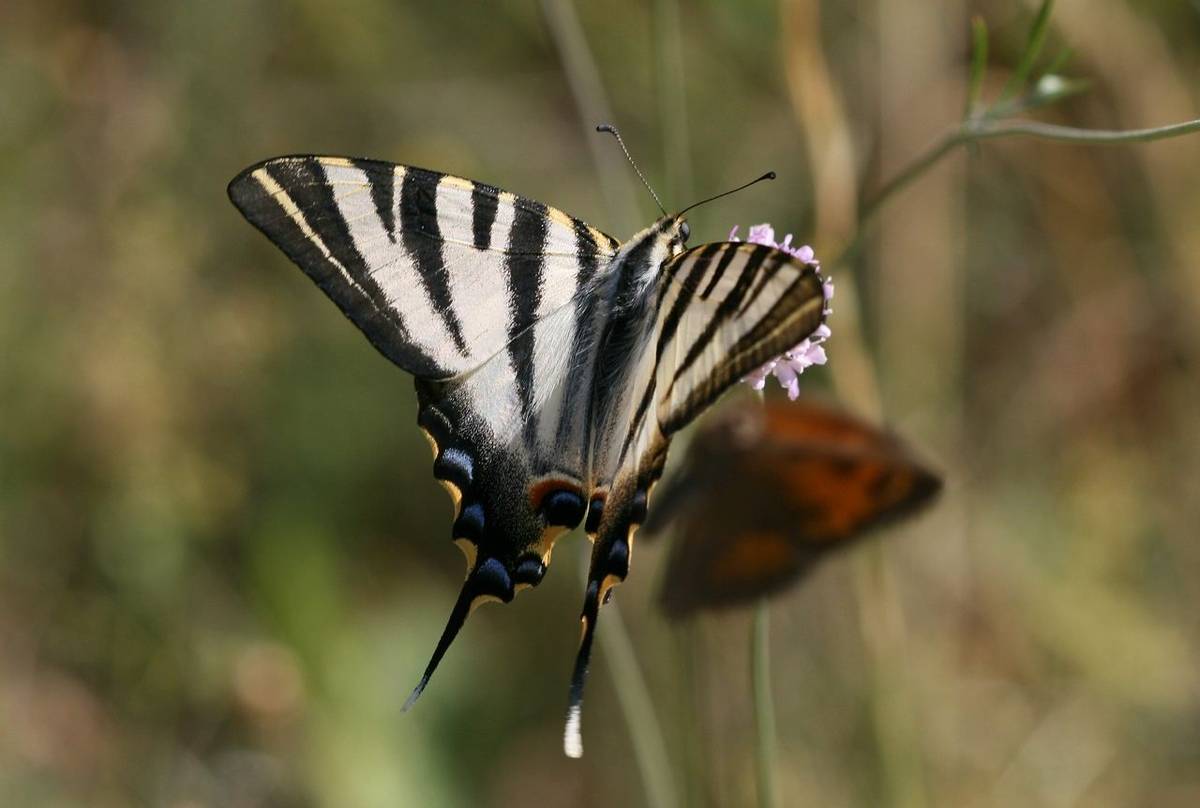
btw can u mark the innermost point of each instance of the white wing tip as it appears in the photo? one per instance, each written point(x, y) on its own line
point(572, 738)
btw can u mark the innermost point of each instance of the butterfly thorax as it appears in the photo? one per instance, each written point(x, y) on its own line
point(634, 273)
point(637, 263)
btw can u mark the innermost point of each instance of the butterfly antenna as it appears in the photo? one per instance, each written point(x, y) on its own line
point(458, 616)
point(573, 735)
point(612, 130)
point(770, 175)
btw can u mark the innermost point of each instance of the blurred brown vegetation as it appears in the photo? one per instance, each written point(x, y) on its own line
point(223, 559)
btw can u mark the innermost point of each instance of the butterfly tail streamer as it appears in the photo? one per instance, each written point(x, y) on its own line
point(573, 733)
point(458, 616)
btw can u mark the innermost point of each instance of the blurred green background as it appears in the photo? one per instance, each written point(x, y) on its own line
point(224, 560)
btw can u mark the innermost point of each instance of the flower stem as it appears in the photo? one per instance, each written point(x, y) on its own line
point(916, 168)
point(591, 102)
point(694, 744)
point(592, 105)
point(649, 748)
point(984, 128)
point(981, 130)
point(764, 709)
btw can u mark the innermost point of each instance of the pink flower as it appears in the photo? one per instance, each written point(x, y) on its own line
point(811, 351)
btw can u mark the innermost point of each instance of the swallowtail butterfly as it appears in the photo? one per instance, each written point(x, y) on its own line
point(553, 363)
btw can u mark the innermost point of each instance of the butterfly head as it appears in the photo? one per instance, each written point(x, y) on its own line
point(674, 231)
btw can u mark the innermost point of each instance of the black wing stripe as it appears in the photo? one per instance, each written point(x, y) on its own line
point(261, 198)
point(796, 313)
point(423, 241)
point(802, 303)
point(588, 253)
point(639, 415)
point(309, 190)
point(726, 308)
point(576, 400)
point(526, 241)
point(382, 181)
point(765, 276)
point(683, 297)
point(726, 259)
point(484, 202)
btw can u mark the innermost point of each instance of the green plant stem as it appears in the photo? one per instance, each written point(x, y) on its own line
point(986, 129)
point(916, 168)
point(672, 103)
point(982, 130)
point(633, 695)
point(591, 102)
point(764, 708)
point(979, 55)
point(1033, 49)
point(649, 749)
point(693, 743)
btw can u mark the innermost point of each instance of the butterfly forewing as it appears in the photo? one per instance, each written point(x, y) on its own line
point(730, 308)
point(718, 312)
point(439, 272)
point(715, 313)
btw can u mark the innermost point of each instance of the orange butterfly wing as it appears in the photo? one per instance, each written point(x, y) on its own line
point(767, 490)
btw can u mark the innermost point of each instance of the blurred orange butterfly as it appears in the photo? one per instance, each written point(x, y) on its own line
point(767, 490)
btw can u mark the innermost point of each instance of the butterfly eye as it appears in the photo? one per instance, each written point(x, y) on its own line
point(684, 231)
